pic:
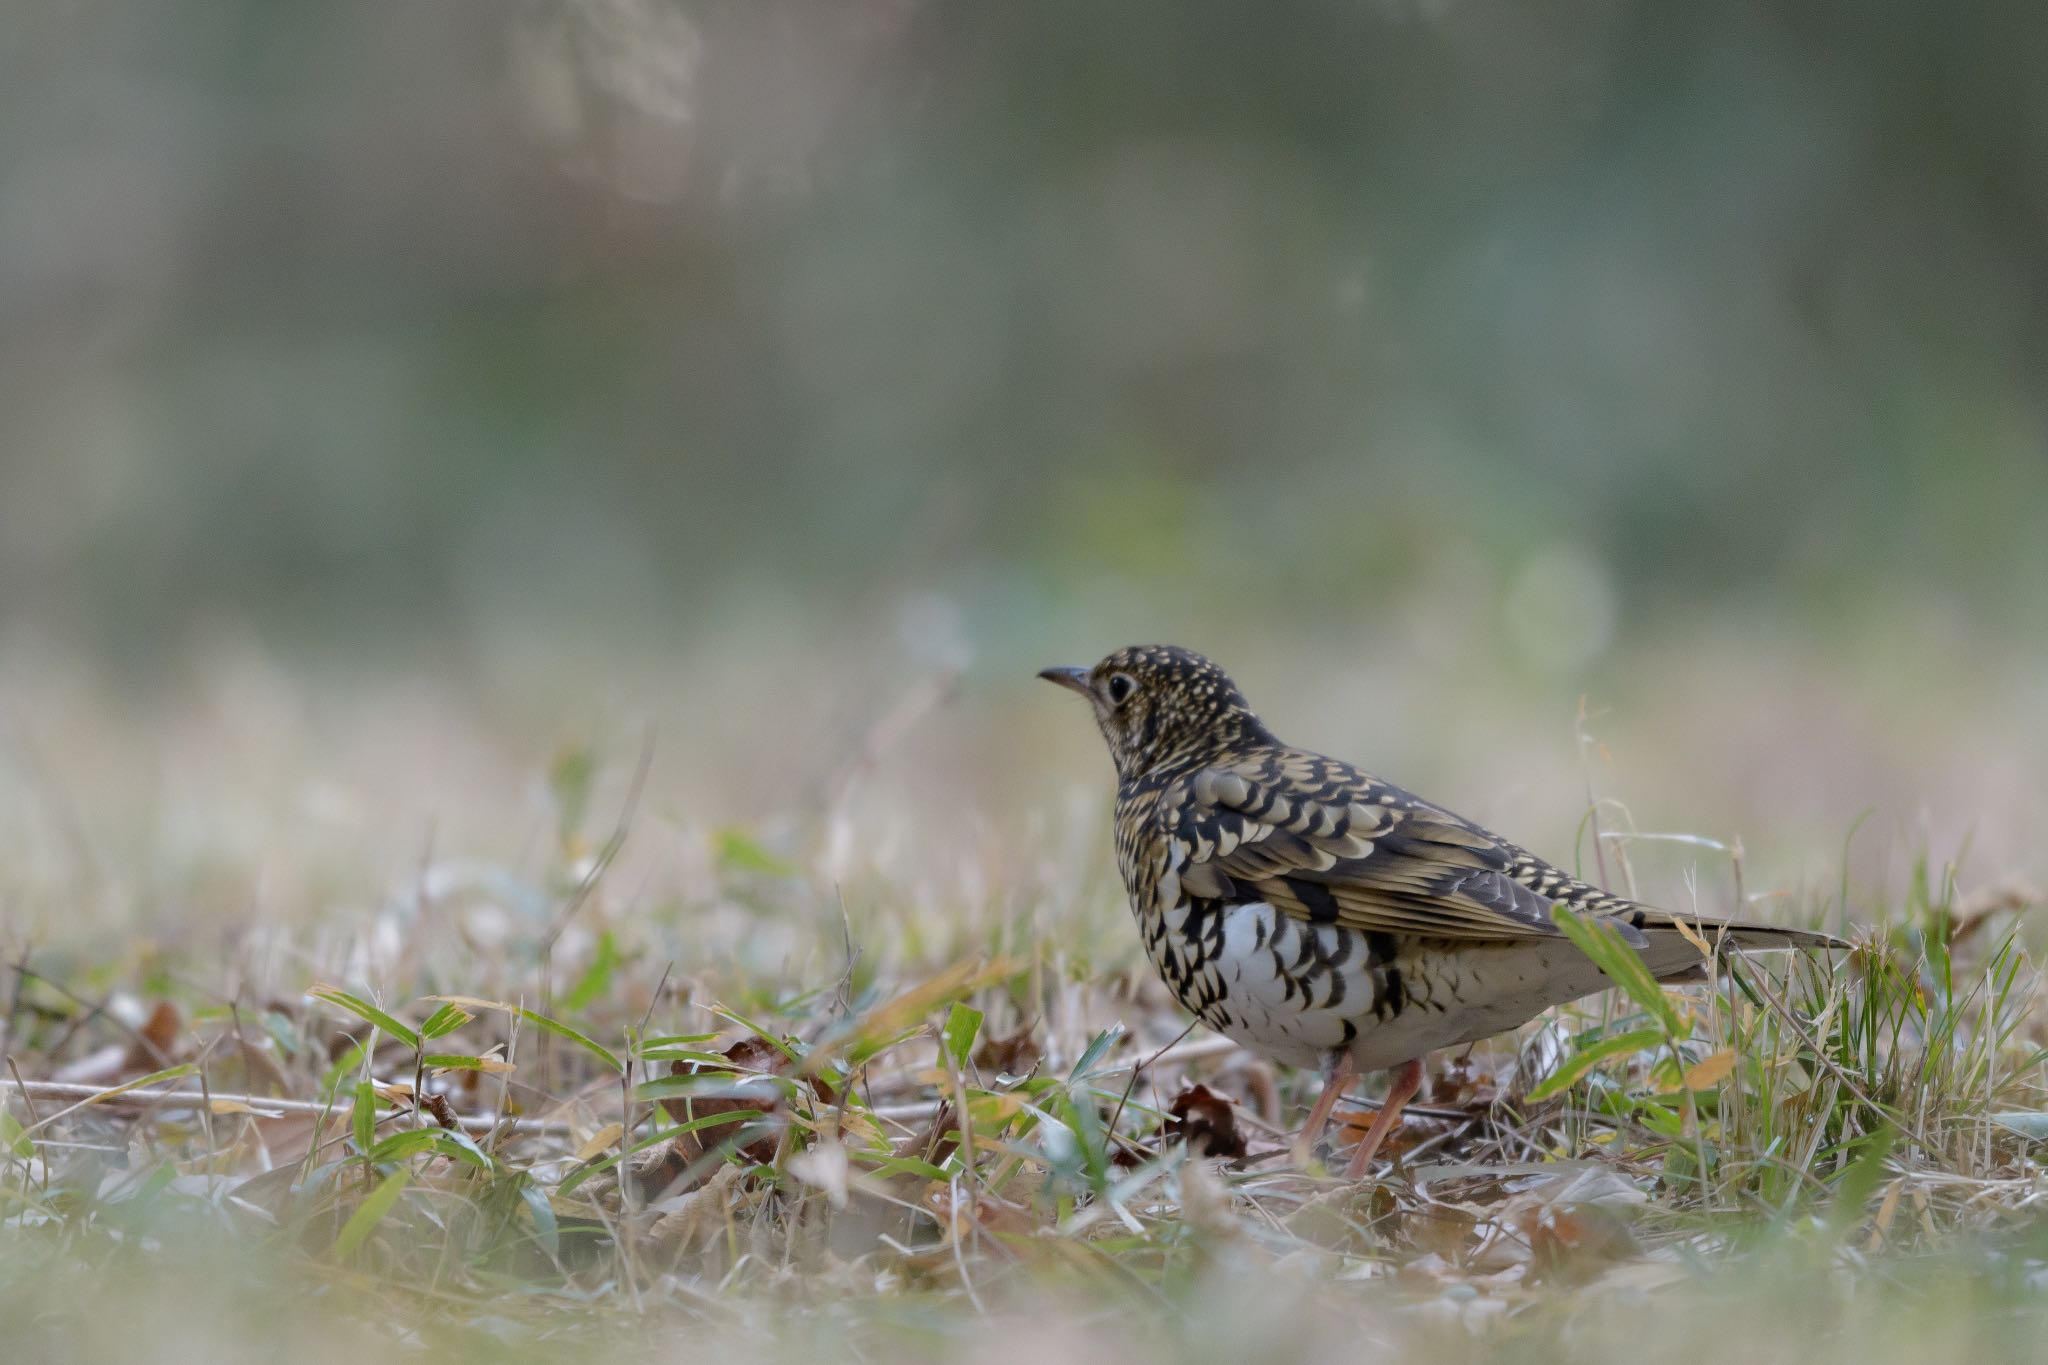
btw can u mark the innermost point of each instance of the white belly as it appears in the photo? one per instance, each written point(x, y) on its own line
point(1298, 992)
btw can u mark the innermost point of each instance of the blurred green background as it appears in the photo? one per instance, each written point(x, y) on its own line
point(388, 392)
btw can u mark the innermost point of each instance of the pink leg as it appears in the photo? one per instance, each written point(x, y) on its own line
point(1342, 1072)
point(1407, 1080)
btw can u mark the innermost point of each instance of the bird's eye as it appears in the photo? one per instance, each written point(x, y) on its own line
point(1121, 685)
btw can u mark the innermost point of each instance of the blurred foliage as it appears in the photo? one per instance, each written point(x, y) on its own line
point(374, 322)
point(408, 413)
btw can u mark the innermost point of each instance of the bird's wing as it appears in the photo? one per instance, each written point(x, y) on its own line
point(1320, 840)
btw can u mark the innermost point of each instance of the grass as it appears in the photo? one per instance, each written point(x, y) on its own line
point(881, 1117)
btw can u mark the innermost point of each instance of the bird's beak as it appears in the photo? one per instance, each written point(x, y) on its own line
point(1075, 679)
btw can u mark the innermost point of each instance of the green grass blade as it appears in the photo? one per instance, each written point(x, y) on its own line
point(963, 1023)
point(462, 1061)
point(1584, 1060)
point(371, 1212)
point(367, 1012)
point(562, 1030)
point(545, 1226)
point(14, 1138)
point(446, 1142)
point(1622, 964)
point(445, 1020)
point(596, 981)
point(1097, 1049)
point(363, 1117)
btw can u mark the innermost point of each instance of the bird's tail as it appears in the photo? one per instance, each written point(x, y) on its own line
point(1673, 950)
point(1751, 937)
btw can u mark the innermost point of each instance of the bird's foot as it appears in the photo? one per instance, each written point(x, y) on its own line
point(1407, 1080)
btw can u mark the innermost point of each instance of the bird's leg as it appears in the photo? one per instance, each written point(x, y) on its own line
point(1336, 1081)
point(1407, 1080)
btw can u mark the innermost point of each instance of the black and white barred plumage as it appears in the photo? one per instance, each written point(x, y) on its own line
point(1309, 910)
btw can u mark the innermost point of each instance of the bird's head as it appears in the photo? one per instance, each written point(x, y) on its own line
point(1160, 707)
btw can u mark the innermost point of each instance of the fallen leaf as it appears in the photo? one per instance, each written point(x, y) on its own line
point(157, 1041)
point(1575, 1224)
point(442, 1111)
point(1207, 1122)
point(1461, 1085)
point(749, 1057)
point(1012, 1055)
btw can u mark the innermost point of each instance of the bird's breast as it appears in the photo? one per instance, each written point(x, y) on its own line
point(1281, 986)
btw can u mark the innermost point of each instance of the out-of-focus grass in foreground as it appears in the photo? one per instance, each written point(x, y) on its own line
point(502, 1118)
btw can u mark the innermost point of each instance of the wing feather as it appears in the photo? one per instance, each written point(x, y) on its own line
point(1327, 843)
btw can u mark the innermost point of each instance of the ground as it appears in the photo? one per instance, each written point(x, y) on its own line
point(880, 1104)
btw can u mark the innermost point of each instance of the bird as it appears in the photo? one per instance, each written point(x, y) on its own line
point(1327, 919)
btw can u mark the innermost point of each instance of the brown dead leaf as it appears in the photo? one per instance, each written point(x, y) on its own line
point(1575, 1224)
point(1207, 1122)
point(1012, 1055)
point(1445, 1229)
point(158, 1042)
point(750, 1056)
point(442, 1111)
point(1413, 1127)
point(1573, 1243)
point(1462, 1085)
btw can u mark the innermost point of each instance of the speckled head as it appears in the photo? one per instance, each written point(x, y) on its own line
point(1162, 708)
